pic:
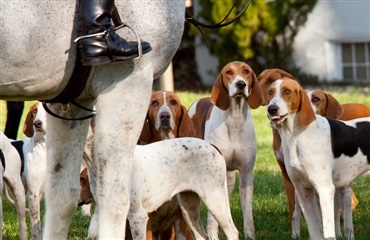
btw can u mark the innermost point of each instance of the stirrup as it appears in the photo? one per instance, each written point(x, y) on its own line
point(106, 32)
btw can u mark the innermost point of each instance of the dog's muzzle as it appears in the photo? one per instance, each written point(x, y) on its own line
point(273, 114)
point(165, 120)
point(38, 126)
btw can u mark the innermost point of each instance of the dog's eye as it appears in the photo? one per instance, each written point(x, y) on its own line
point(155, 103)
point(229, 72)
point(315, 99)
point(287, 91)
point(246, 71)
point(270, 92)
point(173, 102)
point(34, 111)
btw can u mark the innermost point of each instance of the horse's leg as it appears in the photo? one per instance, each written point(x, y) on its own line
point(92, 233)
point(94, 222)
point(65, 144)
point(119, 120)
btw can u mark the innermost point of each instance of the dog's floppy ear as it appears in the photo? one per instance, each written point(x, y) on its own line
point(286, 74)
point(186, 128)
point(255, 98)
point(306, 113)
point(145, 135)
point(333, 108)
point(220, 96)
point(28, 124)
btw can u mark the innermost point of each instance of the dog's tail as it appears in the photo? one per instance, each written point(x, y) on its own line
point(6, 195)
point(8, 198)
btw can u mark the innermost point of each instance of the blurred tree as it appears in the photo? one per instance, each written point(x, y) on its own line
point(184, 65)
point(262, 36)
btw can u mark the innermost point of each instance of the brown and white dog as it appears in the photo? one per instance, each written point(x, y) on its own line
point(33, 150)
point(265, 79)
point(167, 118)
point(225, 121)
point(325, 105)
point(320, 153)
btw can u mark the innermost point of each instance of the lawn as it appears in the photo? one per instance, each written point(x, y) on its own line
point(270, 207)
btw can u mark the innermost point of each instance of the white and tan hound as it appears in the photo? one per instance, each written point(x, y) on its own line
point(189, 167)
point(166, 118)
point(320, 154)
point(325, 105)
point(225, 121)
point(33, 151)
point(265, 79)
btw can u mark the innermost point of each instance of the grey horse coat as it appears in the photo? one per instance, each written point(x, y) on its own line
point(37, 59)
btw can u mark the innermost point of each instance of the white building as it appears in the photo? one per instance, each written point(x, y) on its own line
point(334, 44)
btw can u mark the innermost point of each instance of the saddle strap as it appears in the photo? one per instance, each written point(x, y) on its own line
point(75, 85)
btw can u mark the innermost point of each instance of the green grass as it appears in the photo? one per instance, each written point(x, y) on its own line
point(270, 208)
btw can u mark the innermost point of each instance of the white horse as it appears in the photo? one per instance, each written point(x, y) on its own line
point(37, 59)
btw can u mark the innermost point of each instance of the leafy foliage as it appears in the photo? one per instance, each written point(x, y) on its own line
point(262, 36)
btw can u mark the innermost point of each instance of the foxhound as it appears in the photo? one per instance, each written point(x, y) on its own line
point(33, 151)
point(190, 168)
point(326, 106)
point(225, 121)
point(320, 154)
point(166, 118)
point(265, 79)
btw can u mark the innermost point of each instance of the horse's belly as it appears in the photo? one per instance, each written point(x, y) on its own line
point(37, 54)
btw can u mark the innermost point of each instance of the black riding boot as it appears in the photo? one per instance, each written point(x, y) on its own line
point(100, 44)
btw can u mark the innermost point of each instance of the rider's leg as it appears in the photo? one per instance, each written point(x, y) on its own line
point(96, 17)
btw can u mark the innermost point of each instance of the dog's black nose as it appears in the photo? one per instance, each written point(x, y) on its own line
point(37, 124)
point(272, 109)
point(165, 115)
point(165, 118)
point(240, 84)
